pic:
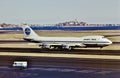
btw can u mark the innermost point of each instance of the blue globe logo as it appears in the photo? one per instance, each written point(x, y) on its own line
point(27, 31)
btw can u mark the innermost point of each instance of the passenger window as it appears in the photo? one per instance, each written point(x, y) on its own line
point(93, 39)
point(86, 39)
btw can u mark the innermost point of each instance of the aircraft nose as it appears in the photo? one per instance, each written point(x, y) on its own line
point(110, 42)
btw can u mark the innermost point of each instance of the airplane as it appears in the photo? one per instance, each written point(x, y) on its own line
point(65, 42)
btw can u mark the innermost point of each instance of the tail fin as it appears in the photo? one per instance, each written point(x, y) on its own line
point(29, 33)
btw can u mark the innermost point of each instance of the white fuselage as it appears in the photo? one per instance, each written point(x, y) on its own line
point(99, 40)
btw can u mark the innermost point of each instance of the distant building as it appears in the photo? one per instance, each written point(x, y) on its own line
point(4, 25)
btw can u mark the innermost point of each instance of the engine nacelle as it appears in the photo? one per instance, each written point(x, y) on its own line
point(46, 46)
point(67, 47)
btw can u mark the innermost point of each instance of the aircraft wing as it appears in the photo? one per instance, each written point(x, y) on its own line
point(62, 45)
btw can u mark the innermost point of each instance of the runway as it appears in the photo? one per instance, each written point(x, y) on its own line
point(57, 60)
point(59, 72)
point(82, 51)
point(47, 67)
point(59, 66)
point(48, 57)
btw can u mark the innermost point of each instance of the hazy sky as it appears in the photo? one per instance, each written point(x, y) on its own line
point(54, 11)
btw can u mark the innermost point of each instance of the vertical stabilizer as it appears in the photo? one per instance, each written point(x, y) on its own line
point(28, 32)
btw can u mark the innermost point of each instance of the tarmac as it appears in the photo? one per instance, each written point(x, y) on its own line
point(83, 62)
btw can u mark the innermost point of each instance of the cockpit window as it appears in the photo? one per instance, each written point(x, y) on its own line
point(103, 37)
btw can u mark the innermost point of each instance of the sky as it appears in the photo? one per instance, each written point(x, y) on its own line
point(55, 11)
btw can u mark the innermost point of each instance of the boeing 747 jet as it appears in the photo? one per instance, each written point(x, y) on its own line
point(65, 42)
